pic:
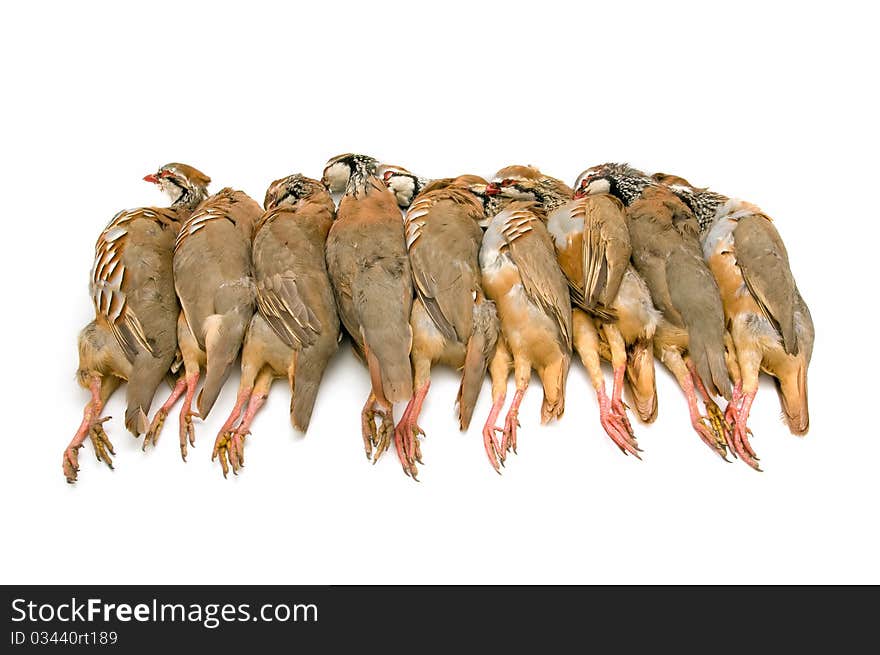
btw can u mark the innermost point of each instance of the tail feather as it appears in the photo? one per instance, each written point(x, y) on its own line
point(709, 358)
point(480, 348)
point(147, 373)
point(642, 382)
point(223, 338)
point(793, 396)
point(305, 381)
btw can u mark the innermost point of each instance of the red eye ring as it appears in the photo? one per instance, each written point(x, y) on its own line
point(387, 175)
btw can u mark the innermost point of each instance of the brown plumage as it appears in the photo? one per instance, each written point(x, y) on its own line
point(214, 283)
point(133, 336)
point(521, 275)
point(452, 321)
point(295, 330)
point(613, 315)
point(369, 268)
point(690, 336)
point(769, 322)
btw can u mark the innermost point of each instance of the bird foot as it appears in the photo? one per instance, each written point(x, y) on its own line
point(618, 428)
point(377, 437)
point(612, 416)
point(492, 446)
point(508, 439)
point(710, 436)
point(151, 437)
point(187, 431)
point(100, 442)
point(406, 441)
point(229, 447)
point(740, 446)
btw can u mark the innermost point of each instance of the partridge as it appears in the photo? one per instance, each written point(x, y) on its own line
point(370, 273)
point(613, 314)
point(295, 330)
point(452, 321)
point(405, 186)
point(769, 322)
point(689, 338)
point(133, 336)
point(521, 274)
point(214, 283)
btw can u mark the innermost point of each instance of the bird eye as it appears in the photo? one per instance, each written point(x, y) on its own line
point(387, 176)
point(506, 182)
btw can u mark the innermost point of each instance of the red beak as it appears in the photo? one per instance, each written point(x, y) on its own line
point(492, 189)
point(151, 178)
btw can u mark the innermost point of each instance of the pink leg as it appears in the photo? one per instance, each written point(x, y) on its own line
point(733, 407)
point(236, 445)
point(741, 432)
point(493, 448)
point(91, 426)
point(186, 427)
point(152, 435)
point(720, 427)
point(407, 432)
point(614, 426)
point(224, 444)
point(697, 420)
point(511, 423)
point(617, 405)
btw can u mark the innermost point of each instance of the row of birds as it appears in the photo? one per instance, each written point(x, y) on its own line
point(515, 274)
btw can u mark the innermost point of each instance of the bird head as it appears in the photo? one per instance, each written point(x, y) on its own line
point(182, 183)
point(290, 190)
point(342, 170)
point(404, 185)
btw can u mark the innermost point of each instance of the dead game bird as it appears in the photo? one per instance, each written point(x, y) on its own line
point(768, 320)
point(295, 330)
point(666, 252)
point(213, 279)
point(452, 321)
point(613, 315)
point(134, 334)
point(521, 275)
point(369, 269)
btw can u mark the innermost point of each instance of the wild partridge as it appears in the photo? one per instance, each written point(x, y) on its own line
point(405, 186)
point(768, 320)
point(369, 269)
point(689, 338)
point(133, 336)
point(610, 298)
point(521, 275)
point(452, 321)
point(213, 279)
point(295, 330)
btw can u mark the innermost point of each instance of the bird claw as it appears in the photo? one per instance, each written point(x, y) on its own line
point(70, 463)
point(187, 432)
point(493, 447)
point(229, 447)
point(621, 434)
point(409, 451)
point(101, 442)
point(152, 435)
point(711, 437)
point(376, 437)
point(508, 439)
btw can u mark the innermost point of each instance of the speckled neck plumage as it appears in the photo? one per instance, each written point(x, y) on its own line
point(702, 202)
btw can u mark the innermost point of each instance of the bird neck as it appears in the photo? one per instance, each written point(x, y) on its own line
point(190, 197)
point(362, 169)
point(702, 202)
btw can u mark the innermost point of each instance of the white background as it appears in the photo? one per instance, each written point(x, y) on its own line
point(771, 102)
